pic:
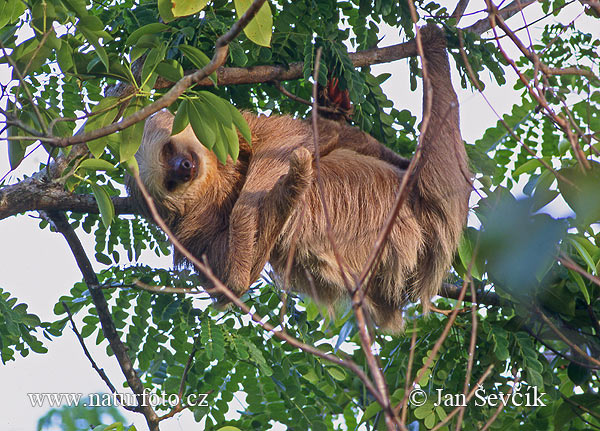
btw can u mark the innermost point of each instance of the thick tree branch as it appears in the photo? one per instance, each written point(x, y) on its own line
point(492, 299)
point(108, 326)
point(513, 8)
point(34, 194)
point(368, 57)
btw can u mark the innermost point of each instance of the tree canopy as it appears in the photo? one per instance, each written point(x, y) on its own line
point(515, 340)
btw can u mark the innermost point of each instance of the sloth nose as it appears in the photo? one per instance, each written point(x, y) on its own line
point(187, 165)
point(182, 169)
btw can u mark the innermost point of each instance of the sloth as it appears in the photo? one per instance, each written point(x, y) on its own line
point(267, 206)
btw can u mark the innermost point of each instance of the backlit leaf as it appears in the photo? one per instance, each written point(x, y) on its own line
point(260, 28)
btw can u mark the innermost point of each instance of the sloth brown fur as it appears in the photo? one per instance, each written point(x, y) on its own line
point(245, 213)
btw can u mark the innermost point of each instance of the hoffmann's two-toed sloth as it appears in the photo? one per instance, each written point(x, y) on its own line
point(267, 204)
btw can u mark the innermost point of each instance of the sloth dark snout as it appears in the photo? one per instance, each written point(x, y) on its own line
point(182, 169)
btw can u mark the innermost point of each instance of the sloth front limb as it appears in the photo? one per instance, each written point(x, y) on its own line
point(259, 215)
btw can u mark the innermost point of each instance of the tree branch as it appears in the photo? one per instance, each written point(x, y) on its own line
point(451, 291)
point(34, 194)
point(368, 57)
point(62, 225)
point(513, 8)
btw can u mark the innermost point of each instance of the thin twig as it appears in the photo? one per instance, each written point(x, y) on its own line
point(564, 338)
point(299, 99)
point(454, 412)
point(179, 406)
point(569, 263)
point(501, 405)
point(98, 370)
point(471, 357)
point(408, 378)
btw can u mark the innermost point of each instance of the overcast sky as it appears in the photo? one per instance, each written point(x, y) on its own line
point(37, 267)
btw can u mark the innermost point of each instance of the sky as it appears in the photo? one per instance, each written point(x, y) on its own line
point(37, 267)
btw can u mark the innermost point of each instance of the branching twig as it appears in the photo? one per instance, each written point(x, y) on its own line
point(509, 129)
point(179, 406)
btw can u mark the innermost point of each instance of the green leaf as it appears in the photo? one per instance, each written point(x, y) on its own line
point(582, 287)
point(91, 23)
point(16, 152)
point(580, 190)
point(337, 373)
point(578, 374)
point(98, 48)
point(260, 28)
point(105, 205)
point(181, 120)
point(187, 7)
point(131, 137)
point(170, 69)
point(257, 357)
point(97, 165)
point(153, 28)
point(535, 379)
point(203, 123)
point(232, 140)
point(221, 144)
point(64, 56)
point(212, 339)
point(529, 165)
point(370, 411)
point(583, 253)
point(465, 252)
point(132, 166)
point(218, 106)
point(198, 59)
point(165, 9)
point(240, 122)
point(155, 56)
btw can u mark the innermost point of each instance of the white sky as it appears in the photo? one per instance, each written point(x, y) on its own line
point(37, 266)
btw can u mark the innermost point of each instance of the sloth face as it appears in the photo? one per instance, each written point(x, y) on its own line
point(180, 166)
point(171, 166)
